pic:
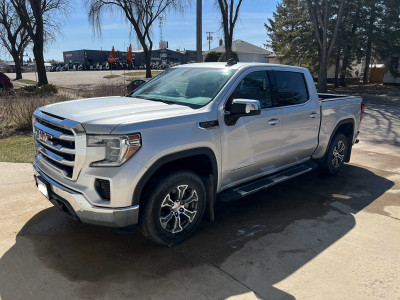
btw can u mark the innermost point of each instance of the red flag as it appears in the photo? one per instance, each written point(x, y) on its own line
point(129, 57)
point(111, 58)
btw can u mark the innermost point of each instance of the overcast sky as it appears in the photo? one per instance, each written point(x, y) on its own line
point(179, 30)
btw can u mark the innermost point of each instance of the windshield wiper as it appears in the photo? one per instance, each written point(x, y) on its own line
point(156, 99)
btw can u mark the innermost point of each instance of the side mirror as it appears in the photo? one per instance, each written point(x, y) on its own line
point(242, 108)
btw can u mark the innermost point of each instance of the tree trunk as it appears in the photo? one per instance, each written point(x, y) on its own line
point(228, 49)
point(337, 66)
point(147, 56)
point(323, 66)
point(40, 68)
point(18, 70)
point(342, 81)
point(367, 60)
point(369, 45)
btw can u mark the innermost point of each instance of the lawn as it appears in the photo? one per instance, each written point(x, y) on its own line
point(18, 149)
point(111, 76)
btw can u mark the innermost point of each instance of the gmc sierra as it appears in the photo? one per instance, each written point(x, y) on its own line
point(161, 156)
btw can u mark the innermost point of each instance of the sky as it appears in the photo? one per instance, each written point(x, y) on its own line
point(178, 29)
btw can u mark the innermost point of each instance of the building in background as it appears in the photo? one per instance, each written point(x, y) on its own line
point(388, 76)
point(245, 51)
point(158, 56)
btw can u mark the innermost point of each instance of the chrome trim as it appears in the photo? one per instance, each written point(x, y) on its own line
point(51, 181)
point(54, 133)
point(57, 148)
point(39, 156)
point(55, 157)
point(78, 135)
point(251, 105)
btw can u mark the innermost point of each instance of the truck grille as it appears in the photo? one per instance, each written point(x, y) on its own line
point(57, 143)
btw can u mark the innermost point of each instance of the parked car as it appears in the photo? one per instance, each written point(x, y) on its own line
point(133, 85)
point(5, 82)
point(194, 134)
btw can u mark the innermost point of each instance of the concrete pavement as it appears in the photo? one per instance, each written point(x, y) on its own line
point(308, 238)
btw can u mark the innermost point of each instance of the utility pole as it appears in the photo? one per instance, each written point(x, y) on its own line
point(209, 39)
point(199, 50)
point(160, 25)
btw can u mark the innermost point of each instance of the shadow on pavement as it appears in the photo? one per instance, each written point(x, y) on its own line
point(254, 243)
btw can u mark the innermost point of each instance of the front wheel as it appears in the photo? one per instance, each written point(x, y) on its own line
point(173, 209)
point(336, 154)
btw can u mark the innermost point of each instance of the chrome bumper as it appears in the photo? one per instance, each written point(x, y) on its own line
point(75, 205)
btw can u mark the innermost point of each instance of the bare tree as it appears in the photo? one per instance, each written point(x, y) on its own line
point(229, 15)
point(13, 36)
point(321, 13)
point(40, 19)
point(141, 14)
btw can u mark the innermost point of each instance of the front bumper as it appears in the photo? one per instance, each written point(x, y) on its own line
point(75, 205)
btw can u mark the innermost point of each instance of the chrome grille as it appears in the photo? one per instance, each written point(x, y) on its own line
point(57, 143)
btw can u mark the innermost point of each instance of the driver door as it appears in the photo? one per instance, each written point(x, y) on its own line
point(251, 147)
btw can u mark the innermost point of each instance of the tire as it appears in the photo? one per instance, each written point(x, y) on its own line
point(173, 208)
point(334, 158)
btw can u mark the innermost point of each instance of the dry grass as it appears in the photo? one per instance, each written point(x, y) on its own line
point(16, 109)
point(104, 90)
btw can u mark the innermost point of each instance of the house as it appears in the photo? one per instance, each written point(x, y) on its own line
point(388, 78)
point(246, 52)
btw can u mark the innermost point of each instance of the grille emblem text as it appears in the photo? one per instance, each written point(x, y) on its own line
point(43, 136)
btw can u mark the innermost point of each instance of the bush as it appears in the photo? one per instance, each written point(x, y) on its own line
point(222, 58)
point(45, 90)
point(212, 56)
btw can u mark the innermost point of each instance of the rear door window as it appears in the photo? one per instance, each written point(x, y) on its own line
point(291, 88)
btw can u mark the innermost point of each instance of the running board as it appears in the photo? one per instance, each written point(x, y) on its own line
point(265, 182)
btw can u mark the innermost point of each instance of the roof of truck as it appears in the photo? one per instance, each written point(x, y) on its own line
point(235, 66)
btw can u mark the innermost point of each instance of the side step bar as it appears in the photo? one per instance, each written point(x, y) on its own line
point(265, 182)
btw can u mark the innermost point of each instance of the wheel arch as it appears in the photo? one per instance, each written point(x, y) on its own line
point(202, 161)
point(346, 127)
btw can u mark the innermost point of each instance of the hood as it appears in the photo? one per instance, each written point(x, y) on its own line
point(102, 115)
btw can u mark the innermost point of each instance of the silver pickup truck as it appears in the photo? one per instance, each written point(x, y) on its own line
point(161, 156)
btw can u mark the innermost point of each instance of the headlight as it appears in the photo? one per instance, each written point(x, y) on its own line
point(118, 148)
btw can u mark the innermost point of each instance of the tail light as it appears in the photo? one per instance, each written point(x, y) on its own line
point(362, 111)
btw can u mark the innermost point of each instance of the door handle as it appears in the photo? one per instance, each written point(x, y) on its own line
point(313, 115)
point(273, 122)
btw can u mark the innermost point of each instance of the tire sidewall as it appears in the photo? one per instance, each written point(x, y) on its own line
point(150, 222)
point(328, 167)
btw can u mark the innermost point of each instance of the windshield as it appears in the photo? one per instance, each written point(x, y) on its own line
point(188, 86)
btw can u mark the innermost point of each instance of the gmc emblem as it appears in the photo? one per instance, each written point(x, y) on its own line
point(43, 136)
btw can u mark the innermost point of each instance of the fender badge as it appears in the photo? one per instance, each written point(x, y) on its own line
point(208, 124)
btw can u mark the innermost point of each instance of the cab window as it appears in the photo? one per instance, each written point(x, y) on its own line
point(254, 86)
point(291, 88)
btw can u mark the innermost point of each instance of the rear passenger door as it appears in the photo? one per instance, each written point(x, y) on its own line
point(299, 115)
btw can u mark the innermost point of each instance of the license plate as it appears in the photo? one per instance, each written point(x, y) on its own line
point(43, 188)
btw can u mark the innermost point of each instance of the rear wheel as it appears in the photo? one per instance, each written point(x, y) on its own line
point(173, 209)
point(336, 154)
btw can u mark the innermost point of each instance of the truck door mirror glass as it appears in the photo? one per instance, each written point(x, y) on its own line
point(242, 108)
